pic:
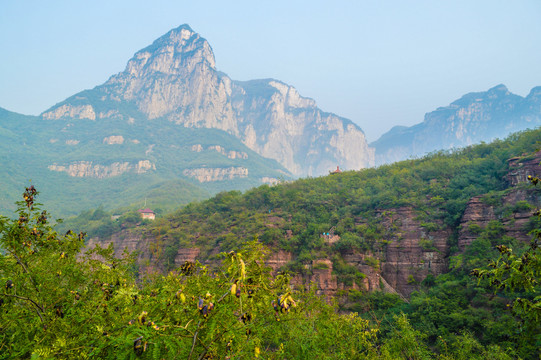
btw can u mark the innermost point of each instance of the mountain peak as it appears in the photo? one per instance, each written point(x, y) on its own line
point(535, 93)
point(501, 88)
point(177, 36)
point(175, 79)
point(182, 27)
point(174, 53)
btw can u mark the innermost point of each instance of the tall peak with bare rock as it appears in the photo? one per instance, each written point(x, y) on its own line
point(175, 78)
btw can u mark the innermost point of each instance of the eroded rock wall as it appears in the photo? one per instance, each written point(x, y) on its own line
point(216, 174)
point(100, 171)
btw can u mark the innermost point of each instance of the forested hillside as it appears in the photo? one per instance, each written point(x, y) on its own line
point(401, 237)
point(61, 302)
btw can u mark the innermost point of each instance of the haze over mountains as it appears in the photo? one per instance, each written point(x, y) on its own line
point(173, 129)
point(475, 117)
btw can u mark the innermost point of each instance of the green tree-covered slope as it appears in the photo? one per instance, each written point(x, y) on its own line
point(449, 306)
point(58, 303)
point(116, 163)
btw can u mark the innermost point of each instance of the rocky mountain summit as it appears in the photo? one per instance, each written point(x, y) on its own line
point(175, 78)
point(475, 117)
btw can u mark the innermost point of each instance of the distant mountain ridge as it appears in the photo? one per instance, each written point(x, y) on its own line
point(175, 78)
point(475, 117)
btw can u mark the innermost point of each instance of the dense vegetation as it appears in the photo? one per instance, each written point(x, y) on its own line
point(453, 315)
point(58, 303)
point(292, 216)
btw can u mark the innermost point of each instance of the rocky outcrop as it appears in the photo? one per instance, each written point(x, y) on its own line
point(216, 174)
point(270, 180)
point(366, 264)
point(515, 218)
point(517, 224)
point(476, 216)
point(476, 117)
point(321, 274)
point(522, 167)
point(186, 254)
point(112, 114)
point(414, 250)
point(90, 169)
point(113, 139)
point(176, 78)
point(231, 154)
point(132, 242)
point(69, 111)
point(279, 259)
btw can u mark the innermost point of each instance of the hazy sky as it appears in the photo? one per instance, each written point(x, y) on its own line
point(379, 63)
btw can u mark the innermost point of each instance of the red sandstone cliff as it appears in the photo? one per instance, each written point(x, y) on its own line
point(408, 255)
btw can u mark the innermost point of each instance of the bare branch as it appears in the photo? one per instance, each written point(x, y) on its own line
point(37, 307)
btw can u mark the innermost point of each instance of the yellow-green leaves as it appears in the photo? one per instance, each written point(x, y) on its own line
point(242, 269)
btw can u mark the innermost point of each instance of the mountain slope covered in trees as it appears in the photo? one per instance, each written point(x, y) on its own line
point(413, 230)
point(59, 303)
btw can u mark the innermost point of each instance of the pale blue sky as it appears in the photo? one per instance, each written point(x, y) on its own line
point(378, 63)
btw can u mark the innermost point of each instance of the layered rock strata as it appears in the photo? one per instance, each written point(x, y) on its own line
point(93, 170)
point(216, 174)
point(412, 250)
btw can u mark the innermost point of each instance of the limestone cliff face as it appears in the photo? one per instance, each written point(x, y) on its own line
point(475, 117)
point(114, 140)
point(231, 154)
point(90, 169)
point(280, 124)
point(216, 174)
point(71, 111)
point(176, 78)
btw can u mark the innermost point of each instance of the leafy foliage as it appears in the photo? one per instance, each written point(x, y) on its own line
point(520, 271)
point(59, 303)
point(192, 312)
